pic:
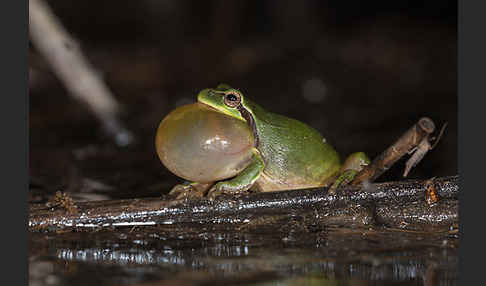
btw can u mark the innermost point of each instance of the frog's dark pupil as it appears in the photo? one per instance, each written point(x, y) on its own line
point(232, 97)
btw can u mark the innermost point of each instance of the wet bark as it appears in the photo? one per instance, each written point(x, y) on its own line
point(394, 204)
point(418, 134)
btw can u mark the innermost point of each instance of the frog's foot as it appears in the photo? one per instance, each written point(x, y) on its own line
point(345, 178)
point(227, 187)
point(189, 190)
point(351, 167)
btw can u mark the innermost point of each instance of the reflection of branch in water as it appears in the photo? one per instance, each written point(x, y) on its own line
point(122, 257)
point(68, 63)
point(232, 259)
point(382, 203)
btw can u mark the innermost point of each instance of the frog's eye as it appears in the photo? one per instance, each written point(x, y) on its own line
point(232, 99)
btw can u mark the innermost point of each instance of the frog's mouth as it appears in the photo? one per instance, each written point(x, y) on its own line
point(233, 113)
point(207, 97)
point(213, 108)
point(207, 106)
point(245, 114)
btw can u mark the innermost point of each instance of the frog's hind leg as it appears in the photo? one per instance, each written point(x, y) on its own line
point(190, 190)
point(351, 167)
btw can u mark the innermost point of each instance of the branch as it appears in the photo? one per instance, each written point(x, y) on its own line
point(64, 56)
point(380, 204)
point(417, 134)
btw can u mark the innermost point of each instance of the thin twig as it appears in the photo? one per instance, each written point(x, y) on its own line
point(64, 56)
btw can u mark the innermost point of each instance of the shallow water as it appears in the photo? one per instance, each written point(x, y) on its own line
point(213, 256)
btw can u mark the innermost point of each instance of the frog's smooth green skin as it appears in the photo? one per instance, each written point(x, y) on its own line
point(285, 153)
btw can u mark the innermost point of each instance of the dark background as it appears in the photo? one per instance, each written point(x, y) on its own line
point(361, 73)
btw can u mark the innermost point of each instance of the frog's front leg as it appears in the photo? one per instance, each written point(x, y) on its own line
point(351, 167)
point(191, 190)
point(243, 181)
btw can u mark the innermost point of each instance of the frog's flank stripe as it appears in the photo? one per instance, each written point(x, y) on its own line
point(249, 118)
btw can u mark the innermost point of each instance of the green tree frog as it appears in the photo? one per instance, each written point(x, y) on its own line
point(225, 143)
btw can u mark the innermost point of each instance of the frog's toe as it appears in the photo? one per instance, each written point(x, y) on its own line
point(332, 189)
point(188, 194)
point(215, 191)
point(225, 188)
point(344, 179)
point(177, 189)
point(188, 191)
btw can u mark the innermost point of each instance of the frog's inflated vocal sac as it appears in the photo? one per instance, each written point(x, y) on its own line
point(226, 143)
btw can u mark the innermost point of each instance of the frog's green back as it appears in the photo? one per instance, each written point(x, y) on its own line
point(295, 154)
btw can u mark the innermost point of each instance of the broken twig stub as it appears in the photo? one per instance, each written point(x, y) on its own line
point(416, 135)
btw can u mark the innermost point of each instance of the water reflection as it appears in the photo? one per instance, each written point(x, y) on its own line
point(238, 259)
point(388, 259)
point(166, 255)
